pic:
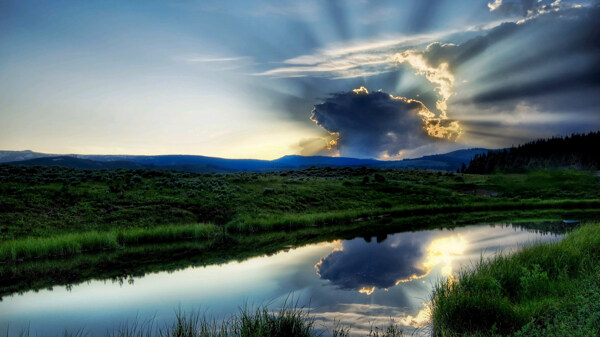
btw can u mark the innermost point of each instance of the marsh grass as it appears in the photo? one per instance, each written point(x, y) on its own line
point(267, 222)
point(532, 288)
point(70, 244)
point(288, 321)
point(74, 243)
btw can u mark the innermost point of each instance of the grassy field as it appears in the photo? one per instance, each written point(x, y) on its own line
point(53, 211)
point(550, 289)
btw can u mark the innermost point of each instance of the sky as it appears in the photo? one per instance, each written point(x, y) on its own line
point(262, 79)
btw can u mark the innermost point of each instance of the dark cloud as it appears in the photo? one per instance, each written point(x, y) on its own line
point(561, 82)
point(362, 264)
point(375, 124)
point(552, 54)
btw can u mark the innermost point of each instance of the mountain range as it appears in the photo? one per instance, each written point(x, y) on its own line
point(444, 162)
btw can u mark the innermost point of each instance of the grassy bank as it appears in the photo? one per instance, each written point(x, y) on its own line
point(411, 217)
point(290, 221)
point(545, 289)
point(70, 244)
point(128, 262)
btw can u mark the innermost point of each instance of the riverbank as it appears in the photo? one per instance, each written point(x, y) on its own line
point(546, 289)
point(71, 244)
point(123, 262)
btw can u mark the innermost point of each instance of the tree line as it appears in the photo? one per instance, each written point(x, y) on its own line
point(574, 151)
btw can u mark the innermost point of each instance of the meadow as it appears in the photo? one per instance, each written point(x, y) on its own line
point(57, 212)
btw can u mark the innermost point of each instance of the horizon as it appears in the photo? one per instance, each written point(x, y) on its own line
point(262, 80)
point(242, 158)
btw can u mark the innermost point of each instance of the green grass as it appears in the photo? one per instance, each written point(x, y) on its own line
point(266, 222)
point(45, 201)
point(75, 243)
point(544, 288)
point(69, 244)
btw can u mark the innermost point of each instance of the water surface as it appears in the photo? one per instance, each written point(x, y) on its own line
point(361, 282)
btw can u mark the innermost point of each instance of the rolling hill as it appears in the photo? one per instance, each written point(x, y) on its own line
point(443, 162)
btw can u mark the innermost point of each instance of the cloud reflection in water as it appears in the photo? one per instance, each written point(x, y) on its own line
point(364, 266)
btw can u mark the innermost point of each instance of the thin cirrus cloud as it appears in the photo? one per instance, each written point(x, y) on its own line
point(351, 60)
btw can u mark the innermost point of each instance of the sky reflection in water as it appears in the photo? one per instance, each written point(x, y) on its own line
point(359, 281)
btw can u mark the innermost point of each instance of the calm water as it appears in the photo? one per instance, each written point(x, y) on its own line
point(359, 281)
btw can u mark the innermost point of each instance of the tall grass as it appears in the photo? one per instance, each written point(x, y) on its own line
point(504, 294)
point(74, 243)
point(289, 321)
point(266, 222)
point(69, 244)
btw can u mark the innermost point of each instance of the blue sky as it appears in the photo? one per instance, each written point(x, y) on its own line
point(261, 79)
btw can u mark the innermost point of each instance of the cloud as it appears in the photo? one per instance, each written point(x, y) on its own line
point(349, 60)
point(439, 75)
point(552, 54)
point(547, 60)
point(377, 124)
point(527, 8)
point(515, 63)
point(319, 146)
point(363, 266)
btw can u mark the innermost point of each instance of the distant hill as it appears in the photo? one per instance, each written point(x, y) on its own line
point(10, 156)
point(443, 162)
point(450, 161)
point(577, 150)
point(73, 162)
point(307, 161)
